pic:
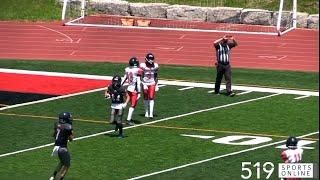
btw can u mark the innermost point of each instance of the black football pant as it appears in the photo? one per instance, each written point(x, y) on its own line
point(223, 70)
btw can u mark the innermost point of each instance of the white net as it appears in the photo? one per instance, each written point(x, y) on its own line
point(203, 15)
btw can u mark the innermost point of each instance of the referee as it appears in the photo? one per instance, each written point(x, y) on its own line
point(223, 48)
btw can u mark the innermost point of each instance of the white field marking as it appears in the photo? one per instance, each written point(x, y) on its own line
point(167, 82)
point(68, 37)
point(245, 92)
point(282, 44)
point(84, 28)
point(281, 57)
point(217, 157)
point(52, 99)
point(166, 48)
point(182, 36)
point(161, 85)
point(186, 88)
point(212, 91)
point(72, 53)
point(78, 41)
point(197, 136)
point(301, 97)
point(179, 49)
point(147, 123)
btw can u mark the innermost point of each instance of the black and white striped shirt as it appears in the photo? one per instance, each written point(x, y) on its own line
point(223, 52)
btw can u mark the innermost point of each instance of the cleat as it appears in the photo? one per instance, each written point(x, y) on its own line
point(131, 123)
point(146, 115)
point(120, 136)
point(231, 94)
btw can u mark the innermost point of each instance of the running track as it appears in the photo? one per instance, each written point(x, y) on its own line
point(298, 50)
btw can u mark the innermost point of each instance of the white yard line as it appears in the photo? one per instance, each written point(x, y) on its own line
point(301, 97)
point(152, 122)
point(217, 157)
point(245, 92)
point(51, 99)
point(186, 88)
point(167, 82)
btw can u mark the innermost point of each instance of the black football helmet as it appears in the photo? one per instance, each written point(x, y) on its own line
point(150, 58)
point(65, 118)
point(116, 81)
point(134, 62)
point(292, 142)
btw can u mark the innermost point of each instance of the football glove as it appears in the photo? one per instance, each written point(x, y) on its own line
point(124, 105)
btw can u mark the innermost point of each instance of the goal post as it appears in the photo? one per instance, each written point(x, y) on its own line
point(292, 20)
point(83, 13)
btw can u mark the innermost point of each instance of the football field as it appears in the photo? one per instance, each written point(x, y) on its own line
point(195, 134)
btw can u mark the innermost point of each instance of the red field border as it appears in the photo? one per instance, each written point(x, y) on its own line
point(46, 84)
point(297, 50)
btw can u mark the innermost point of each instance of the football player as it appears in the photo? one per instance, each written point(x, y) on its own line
point(116, 93)
point(149, 83)
point(132, 74)
point(63, 132)
point(293, 154)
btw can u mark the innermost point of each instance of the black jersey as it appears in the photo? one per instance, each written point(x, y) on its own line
point(117, 94)
point(62, 134)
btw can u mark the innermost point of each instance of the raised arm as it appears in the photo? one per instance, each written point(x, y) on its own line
point(216, 42)
point(234, 41)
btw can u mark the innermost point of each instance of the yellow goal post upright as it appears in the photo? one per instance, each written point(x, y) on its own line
point(81, 13)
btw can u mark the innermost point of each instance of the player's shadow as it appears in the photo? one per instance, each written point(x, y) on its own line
point(142, 115)
point(136, 121)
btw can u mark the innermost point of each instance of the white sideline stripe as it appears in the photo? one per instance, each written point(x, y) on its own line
point(212, 91)
point(242, 88)
point(52, 99)
point(245, 92)
point(217, 157)
point(167, 82)
point(186, 88)
point(301, 97)
point(152, 122)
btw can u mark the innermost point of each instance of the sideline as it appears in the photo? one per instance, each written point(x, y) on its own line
point(169, 82)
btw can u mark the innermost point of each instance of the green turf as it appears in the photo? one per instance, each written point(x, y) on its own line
point(287, 79)
point(148, 149)
point(30, 10)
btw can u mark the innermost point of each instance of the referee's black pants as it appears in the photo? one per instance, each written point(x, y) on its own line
point(223, 70)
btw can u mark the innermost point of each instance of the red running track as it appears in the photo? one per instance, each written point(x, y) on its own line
point(298, 50)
